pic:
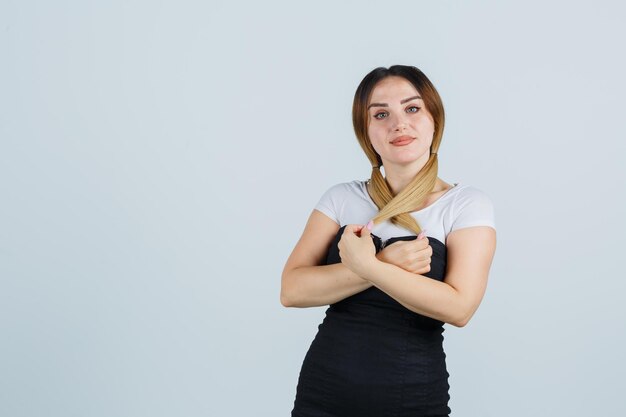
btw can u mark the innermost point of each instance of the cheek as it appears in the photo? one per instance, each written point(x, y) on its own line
point(376, 138)
point(426, 129)
point(426, 124)
point(377, 131)
point(425, 132)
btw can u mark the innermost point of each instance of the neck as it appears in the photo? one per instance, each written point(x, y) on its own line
point(399, 176)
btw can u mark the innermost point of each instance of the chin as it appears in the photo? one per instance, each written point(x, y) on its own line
point(407, 161)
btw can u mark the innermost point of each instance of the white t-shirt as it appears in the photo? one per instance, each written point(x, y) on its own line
point(459, 207)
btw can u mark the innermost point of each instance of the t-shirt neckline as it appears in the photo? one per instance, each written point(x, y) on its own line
point(369, 198)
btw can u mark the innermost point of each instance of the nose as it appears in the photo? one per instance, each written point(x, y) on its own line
point(399, 122)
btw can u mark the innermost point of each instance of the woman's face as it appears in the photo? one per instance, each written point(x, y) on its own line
point(397, 110)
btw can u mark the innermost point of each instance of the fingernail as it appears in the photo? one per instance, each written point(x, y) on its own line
point(370, 225)
point(421, 235)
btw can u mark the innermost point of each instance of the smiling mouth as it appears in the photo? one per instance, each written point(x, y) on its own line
point(402, 140)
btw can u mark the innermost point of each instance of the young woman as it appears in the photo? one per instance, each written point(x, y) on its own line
point(390, 289)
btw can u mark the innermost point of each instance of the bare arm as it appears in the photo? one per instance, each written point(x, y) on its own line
point(306, 281)
point(312, 286)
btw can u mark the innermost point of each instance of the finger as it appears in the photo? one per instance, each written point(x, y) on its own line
point(415, 245)
point(365, 231)
point(354, 228)
point(422, 243)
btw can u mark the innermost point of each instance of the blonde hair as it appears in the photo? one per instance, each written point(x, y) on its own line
point(397, 208)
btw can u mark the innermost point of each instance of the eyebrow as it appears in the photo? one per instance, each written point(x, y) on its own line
point(386, 105)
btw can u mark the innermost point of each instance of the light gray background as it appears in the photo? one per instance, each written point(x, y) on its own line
point(158, 162)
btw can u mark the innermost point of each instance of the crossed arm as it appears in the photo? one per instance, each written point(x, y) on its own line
point(307, 283)
point(470, 253)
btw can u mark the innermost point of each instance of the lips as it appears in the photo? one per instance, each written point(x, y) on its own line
point(402, 140)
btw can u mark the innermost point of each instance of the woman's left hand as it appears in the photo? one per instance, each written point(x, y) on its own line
point(356, 249)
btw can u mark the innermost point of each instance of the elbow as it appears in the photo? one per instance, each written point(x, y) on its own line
point(290, 294)
point(463, 312)
point(459, 323)
point(284, 300)
point(463, 319)
point(286, 297)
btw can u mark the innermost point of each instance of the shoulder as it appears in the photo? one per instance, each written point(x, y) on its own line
point(338, 196)
point(343, 188)
point(472, 206)
point(468, 193)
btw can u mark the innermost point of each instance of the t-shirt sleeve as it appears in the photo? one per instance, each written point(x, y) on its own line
point(331, 201)
point(473, 208)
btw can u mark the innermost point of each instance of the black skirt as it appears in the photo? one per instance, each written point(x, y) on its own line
point(373, 357)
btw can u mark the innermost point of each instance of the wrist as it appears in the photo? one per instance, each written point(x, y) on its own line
point(368, 270)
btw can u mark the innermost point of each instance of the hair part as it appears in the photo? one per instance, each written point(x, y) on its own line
point(397, 208)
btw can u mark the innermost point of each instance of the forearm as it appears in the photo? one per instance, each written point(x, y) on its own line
point(312, 286)
point(418, 293)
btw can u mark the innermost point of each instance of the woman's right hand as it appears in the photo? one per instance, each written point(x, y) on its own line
point(411, 255)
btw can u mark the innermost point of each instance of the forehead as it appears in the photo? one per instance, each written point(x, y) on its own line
point(392, 89)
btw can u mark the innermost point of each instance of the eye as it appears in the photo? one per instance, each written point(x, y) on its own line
point(378, 114)
point(414, 107)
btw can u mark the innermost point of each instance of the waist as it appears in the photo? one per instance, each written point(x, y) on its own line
point(374, 335)
point(368, 314)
